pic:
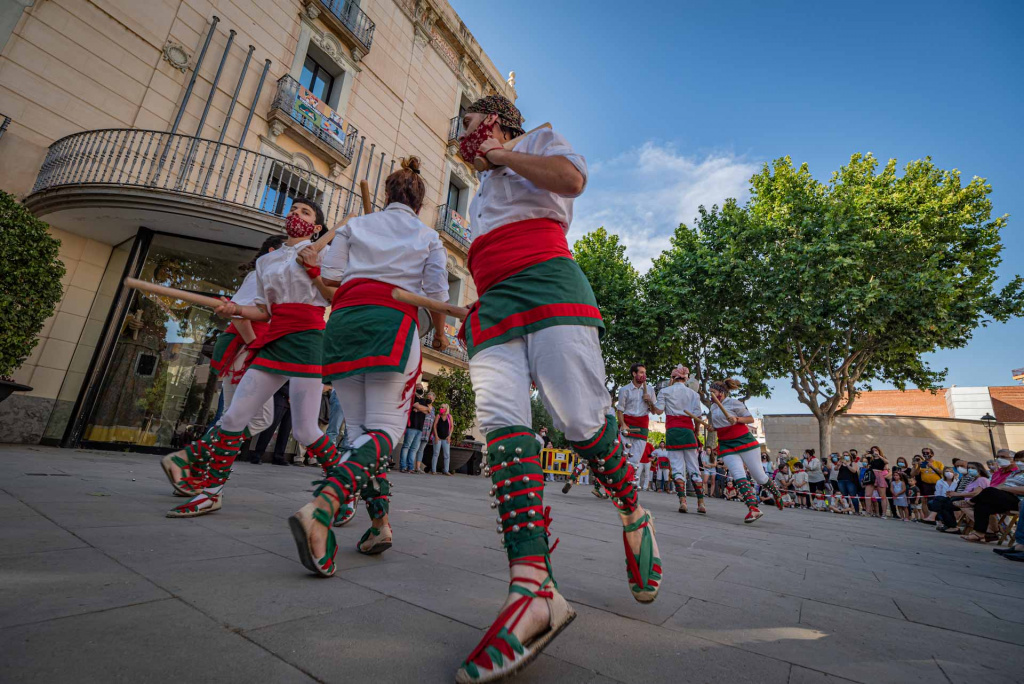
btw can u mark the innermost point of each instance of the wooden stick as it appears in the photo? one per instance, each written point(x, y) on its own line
point(696, 419)
point(481, 163)
point(153, 288)
point(722, 408)
point(364, 190)
point(430, 304)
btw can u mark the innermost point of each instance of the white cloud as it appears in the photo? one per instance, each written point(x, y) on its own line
point(644, 194)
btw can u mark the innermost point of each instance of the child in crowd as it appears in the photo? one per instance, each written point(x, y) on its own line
point(802, 486)
point(730, 491)
point(818, 502)
point(840, 505)
point(899, 494)
point(653, 486)
point(914, 498)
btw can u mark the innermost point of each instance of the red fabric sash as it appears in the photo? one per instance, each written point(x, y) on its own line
point(507, 250)
point(286, 319)
point(679, 422)
point(732, 431)
point(643, 421)
point(364, 291)
point(235, 348)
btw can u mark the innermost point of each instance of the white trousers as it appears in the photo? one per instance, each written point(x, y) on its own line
point(259, 386)
point(264, 417)
point(565, 364)
point(634, 448)
point(374, 401)
point(750, 458)
point(643, 474)
point(684, 461)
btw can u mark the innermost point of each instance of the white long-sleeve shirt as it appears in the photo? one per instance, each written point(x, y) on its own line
point(734, 406)
point(677, 399)
point(392, 246)
point(282, 280)
point(506, 197)
point(631, 400)
point(246, 294)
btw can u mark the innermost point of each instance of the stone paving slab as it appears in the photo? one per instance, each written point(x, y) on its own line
point(92, 570)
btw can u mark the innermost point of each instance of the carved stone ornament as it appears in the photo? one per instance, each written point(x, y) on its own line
point(176, 55)
point(276, 129)
point(312, 11)
point(335, 170)
point(453, 149)
point(357, 54)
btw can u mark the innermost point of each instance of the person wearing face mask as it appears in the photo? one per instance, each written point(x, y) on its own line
point(1015, 552)
point(946, 507)
point(442, 433)
point(1002, 497)
point(847, 479)
point(928, 473)
point(290, 294)
point(187, 469)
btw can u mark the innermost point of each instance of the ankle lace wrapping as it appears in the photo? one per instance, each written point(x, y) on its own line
point(357, 468)
point(609, 466)
point(746, 490)
point(223, 449)
point(377, 495)
point(513, 454)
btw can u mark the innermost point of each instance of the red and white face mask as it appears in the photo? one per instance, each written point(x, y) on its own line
point(469, 147)
point(298, 227)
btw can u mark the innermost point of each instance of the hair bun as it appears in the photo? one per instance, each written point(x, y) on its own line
point(411, 163)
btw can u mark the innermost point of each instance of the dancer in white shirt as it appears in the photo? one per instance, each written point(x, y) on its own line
point(537, 321)
point(635, 402)
point(372, 358)
point(294, 298)
point(187, 469)
point(738, 448)
point(681, 405)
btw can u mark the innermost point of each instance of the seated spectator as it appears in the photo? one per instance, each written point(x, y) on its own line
point(818, 502)
point(840, 504)
point(801, 486)
point(730, 491)
point(1002, 497)
point(1015, 552)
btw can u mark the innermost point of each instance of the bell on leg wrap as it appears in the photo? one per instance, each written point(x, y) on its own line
point(609, 466)
point(223, 448)
point(327, 456)
point(513, 456)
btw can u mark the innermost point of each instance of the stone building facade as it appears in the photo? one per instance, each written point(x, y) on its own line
point(164, 140)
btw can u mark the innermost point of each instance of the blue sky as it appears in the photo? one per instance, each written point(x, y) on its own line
point(676, 104)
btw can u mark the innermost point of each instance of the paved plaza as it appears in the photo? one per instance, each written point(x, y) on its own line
point(96, 585)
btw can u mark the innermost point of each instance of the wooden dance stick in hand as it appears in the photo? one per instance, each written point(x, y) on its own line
point(153, 288)
point(364, 190)
point(481, 163)
point(722, 408)
point(696, 419)
point(430, 304)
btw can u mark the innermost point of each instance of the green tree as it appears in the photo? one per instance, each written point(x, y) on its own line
point(452, 386)
point(616, 286)
point(29, 281)
point(541, 418)
point(655, 437)
point(684, 298)
point(853, 281)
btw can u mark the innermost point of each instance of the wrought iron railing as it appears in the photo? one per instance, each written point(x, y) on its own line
point(182, 164)
point(456, 351)
point(454, 129)
point(284, 100)
point(5, 121)
point(444, 225)
point(354, 19)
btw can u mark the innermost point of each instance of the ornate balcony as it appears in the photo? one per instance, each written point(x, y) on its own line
point(455, 351)
point(454, 130)
point(345, 17)
point(296, 110)
point(106, 183)
point(449, 225)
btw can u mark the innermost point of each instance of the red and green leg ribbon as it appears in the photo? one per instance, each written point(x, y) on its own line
point(746, 490)
point(513, 454)
point(365, 470)
point(223, 447)
point(327, 456)
point(773, 488)
point(609, 466)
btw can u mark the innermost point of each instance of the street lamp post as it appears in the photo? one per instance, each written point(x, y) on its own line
point(989, 421)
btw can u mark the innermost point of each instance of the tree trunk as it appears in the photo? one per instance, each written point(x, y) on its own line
point(825, 425)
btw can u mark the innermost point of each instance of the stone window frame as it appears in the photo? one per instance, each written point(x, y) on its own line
point(327, 50)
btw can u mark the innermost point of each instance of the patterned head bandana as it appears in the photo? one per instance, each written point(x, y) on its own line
point(508, 114)
point(680, 372)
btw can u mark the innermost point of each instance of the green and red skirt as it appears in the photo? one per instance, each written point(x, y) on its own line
point(368, 332)
point(527, 280)
point(679, 433)
point(293, 344)
point(637, 426)
point(735, 438)
point(227, 340)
